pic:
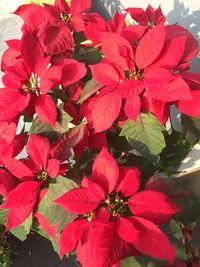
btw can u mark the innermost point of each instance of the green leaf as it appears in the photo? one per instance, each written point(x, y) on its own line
point(190, 129)
point(44, 129)
point(130, 262)
point(88, 55)
point(90, 88)
point(3, 216)
point(23, 230)
point(53, 213)
point(145, 135)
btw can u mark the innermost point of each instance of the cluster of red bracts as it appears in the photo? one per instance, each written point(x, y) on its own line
point(144, 67)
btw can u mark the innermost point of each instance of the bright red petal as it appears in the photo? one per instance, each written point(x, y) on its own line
point(77, 23)
point(33, 15)
point(151, 241)
point(12, 103)
point(126, 230)
point(46, 109)
point(53, 167)
point(20, 202)
point(106, 111)
point(191, 107)
point(177, 89)
point(78, 201)
point(51, 230)
point(138, 14)
point(50, 78)
point(7, 182)
point(78, 6)
point(17, 168)
point(150, 46)
point(8, 131)
point(70, 236)
point(99, 244)
point(55, 38)
point(120, 52)
point(153, 206)
point(105, 74)
point(129, 180)
point(38, 149)
point(72, 72)
point(172, 52)
point(31, 51)
point(132, 107)
point(105, 171)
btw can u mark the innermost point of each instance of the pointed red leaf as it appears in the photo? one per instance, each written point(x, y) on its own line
point(105, 171)
point(133, 33)
point(191, 107)
point(20, 202)
point(172, 52)
point(50, 78)
point(72, 72)
point(55, 38)
point(78, 201)
point(70, 236)
point(7, 182)
point(38, 149)
point(129, 180)
point(100, 245)
point(31, 51)
point(153, 206)
point(17, 168)
point(132, 107)
point(150, 46)
point(51, 230)
point(33, 15)
point(12, 103)
point(8, 131)
point(176, 89)
point(77, 23)
point(151, 241)
point(105, 74)
point(119, 52)
point(127, 230)
point(53, 167)
point(106, 111)
point(138, 14)
point(46, 109)
point(78, 6)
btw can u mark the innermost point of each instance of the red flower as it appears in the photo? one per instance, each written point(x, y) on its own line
point(127, 74)
point(53, 34)
point(73, 14)
point(149, 18)
point(117, 216)
point(29, 81)
point(33, 173)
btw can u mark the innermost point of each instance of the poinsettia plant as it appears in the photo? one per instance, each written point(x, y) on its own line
point(88, 150)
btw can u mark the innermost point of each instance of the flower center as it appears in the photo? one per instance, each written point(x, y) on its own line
point(32, 86)
point(89, 216)
point(65, 17)
point(134, 75)
point(42, 176)
point(116, 205)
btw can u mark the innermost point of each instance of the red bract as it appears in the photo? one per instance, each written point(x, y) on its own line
point(149, 18)
point(32, 173)
point(53, 35)
point(128, 73)
point(73, 14)
point(116, 216)
point(30, 80)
